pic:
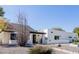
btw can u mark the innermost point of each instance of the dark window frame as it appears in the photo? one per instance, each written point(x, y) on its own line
point(51, 32)
point(70, 37)
point(13, 36)
point(56, 37)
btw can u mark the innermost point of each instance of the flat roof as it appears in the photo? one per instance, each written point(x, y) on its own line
point(37, 32)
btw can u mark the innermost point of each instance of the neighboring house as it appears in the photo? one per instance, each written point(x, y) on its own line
point(54, 36)
point(12, 33)
point(31, 34)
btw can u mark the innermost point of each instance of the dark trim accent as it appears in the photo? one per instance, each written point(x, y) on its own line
point(38, 32)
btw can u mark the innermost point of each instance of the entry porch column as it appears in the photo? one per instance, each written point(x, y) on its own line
point(43, 39)
point(30, 41)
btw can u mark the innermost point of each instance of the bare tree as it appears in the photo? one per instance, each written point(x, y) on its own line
point(22, 30)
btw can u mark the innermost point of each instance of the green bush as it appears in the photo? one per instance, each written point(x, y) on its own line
point(41, 50)
point(76, 41)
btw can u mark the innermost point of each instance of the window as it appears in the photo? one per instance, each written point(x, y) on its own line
point(49, 40)
point(74, 37)
point(13, 36)
point(70, 37)
point(56, 37)
point(46, 38)
point(51, 32)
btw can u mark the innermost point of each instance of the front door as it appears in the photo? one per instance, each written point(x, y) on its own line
point(34, 38)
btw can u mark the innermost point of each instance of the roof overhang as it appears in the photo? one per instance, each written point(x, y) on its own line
point(37, 32)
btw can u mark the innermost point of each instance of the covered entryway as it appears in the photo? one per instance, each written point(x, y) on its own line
point(36, 37)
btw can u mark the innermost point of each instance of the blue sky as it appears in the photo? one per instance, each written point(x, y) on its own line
point(51, 16)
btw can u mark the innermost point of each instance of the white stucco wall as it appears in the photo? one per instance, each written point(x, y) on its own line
point(4, 37)
point(13, 42)
point(63, 36)
point(30, 40)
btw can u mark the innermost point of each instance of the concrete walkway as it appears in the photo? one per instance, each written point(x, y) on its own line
point(62, 51)
point(66, 48)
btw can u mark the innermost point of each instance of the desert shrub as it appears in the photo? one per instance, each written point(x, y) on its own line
point(76, 41)
point(41, 50)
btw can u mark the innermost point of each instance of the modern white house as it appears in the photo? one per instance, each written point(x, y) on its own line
point(55, 36)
